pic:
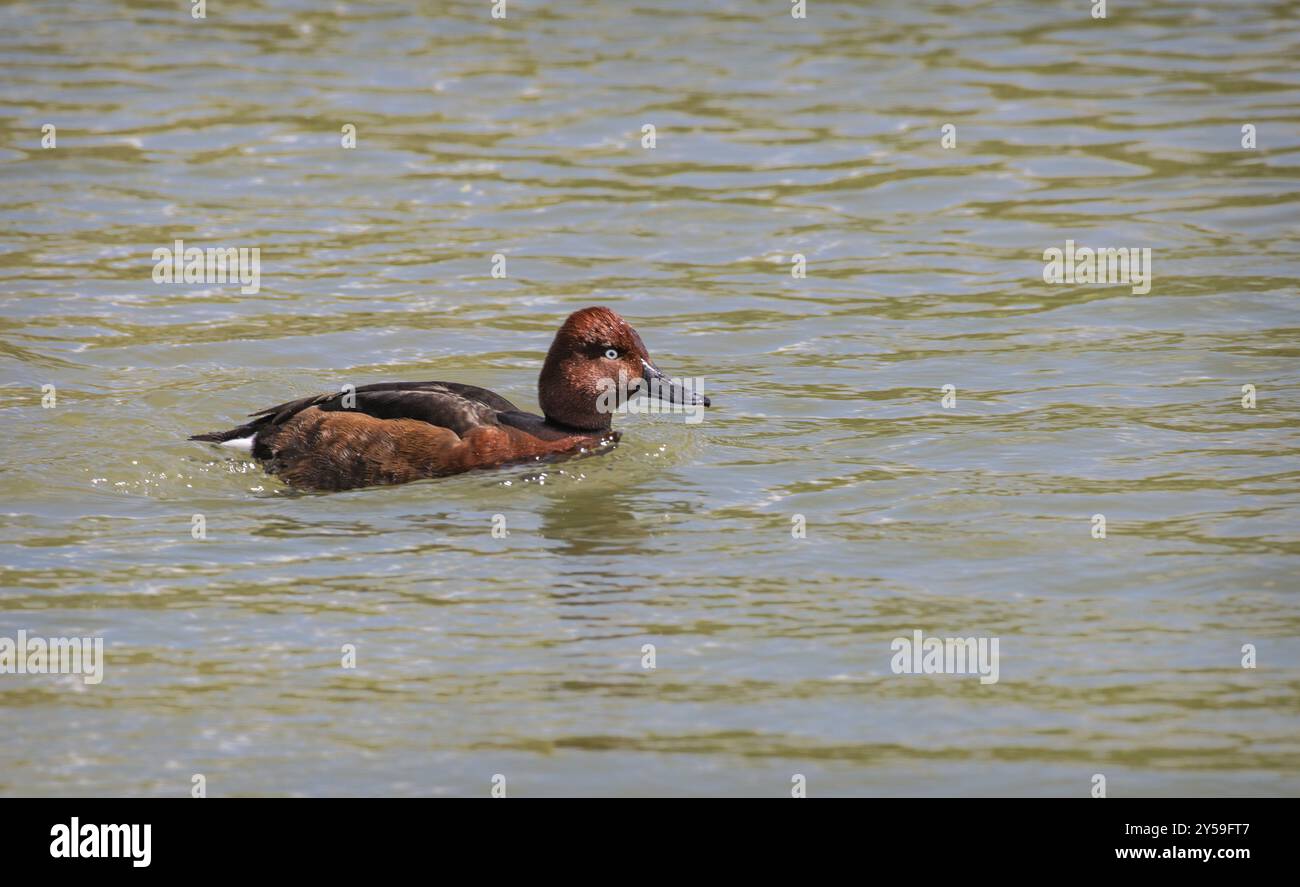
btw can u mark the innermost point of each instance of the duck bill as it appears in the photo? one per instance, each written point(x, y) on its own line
point(659, 387)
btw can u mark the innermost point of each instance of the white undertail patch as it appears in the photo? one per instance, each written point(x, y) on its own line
point(242, 444)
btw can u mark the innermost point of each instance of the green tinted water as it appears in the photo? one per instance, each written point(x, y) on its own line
point(523, 655)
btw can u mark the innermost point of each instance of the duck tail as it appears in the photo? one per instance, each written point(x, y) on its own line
point(223, 436)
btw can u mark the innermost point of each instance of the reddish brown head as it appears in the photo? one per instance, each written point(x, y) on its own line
point(596, 360)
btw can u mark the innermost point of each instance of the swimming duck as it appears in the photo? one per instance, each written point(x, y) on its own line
point(395, 432)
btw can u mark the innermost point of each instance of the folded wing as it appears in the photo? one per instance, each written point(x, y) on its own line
point(448, 405)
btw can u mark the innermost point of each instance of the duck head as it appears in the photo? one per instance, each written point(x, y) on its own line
point(596, 363)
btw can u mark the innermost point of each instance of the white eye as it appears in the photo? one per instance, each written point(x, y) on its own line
point(612, 354)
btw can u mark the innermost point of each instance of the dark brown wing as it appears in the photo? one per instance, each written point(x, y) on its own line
point(449, 405)
point(445, 404)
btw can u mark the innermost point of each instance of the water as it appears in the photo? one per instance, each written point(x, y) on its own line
point(522, 656)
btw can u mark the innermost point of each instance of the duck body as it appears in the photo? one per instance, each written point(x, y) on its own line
point(396, 432)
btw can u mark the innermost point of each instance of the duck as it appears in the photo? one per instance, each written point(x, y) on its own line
point(398, 432)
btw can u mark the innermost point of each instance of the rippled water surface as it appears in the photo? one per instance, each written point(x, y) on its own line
point(522, 655)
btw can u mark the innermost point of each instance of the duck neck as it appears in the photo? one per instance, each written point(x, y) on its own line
point(567, 400)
